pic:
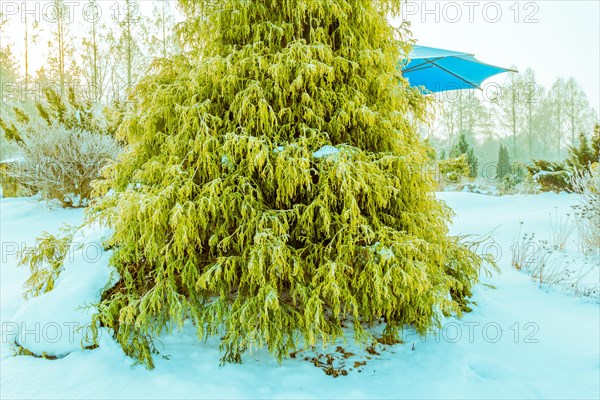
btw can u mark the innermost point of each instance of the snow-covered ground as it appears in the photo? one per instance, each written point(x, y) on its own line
point(520, 341)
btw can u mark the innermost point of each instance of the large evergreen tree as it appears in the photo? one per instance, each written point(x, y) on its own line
point(275, 187)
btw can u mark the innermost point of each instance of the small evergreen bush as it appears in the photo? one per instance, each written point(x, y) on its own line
point(454, 170)
point(557, 176)
point(463, 147)
point(551, 176)
point(516, 180)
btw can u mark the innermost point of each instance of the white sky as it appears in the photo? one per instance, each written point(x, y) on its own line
point(565, 40)
point(554, 37)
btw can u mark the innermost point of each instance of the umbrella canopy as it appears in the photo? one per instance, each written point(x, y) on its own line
point(440, 70)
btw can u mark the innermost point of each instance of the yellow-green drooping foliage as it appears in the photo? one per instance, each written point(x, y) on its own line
point(272, 189)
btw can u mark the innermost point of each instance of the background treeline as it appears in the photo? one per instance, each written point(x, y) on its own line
point(101, 49)
point(513, 131)
point(532, 121)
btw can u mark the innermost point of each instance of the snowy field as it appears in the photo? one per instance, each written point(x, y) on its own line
point(522, 339)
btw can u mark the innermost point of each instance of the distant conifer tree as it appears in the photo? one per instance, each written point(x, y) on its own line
point(503, 167)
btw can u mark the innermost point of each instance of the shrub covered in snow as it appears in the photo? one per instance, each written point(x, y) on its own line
point(587, 212)
point(55, 139)
point(557, 176)
point(464, 148)
point(61, 163)
point(453, 170)
point(550, 176)
point(517, 181)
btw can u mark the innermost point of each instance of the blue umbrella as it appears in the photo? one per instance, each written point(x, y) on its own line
point(438, 70)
